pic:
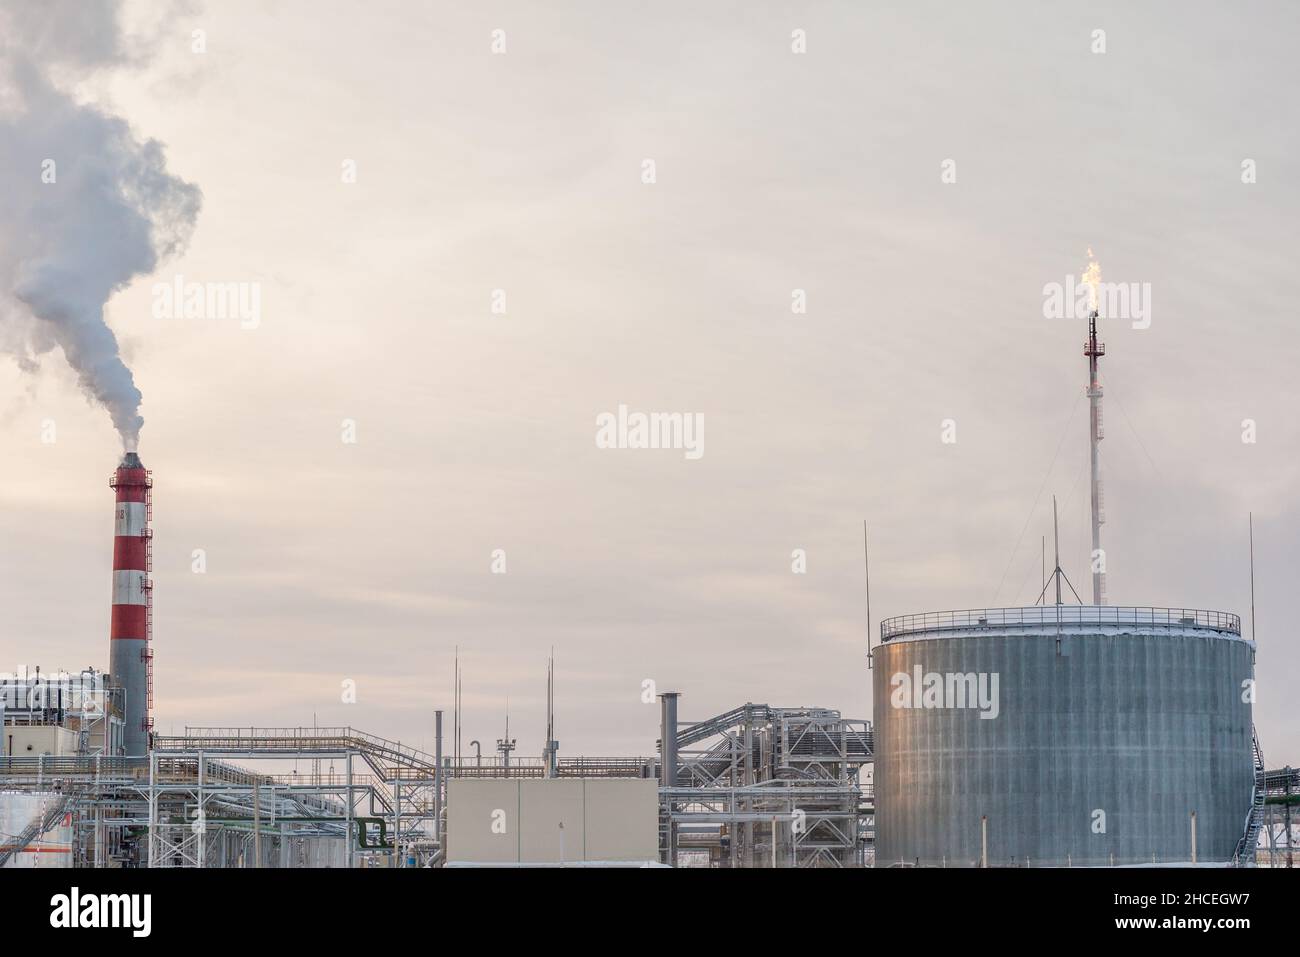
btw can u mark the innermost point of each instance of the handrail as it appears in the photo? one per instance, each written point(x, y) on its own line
point(994, 618)
point(295, 738)
point(1244, 852)
point(218, 740)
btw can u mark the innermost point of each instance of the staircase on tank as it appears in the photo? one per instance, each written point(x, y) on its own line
point(1245, 855)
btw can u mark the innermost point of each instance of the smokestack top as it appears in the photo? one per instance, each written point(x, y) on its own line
point(131, 479)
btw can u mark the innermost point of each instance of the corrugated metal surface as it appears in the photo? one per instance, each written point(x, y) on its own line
point(1142, 727)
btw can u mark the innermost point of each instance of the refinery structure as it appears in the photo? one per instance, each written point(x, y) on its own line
point(1057, 735)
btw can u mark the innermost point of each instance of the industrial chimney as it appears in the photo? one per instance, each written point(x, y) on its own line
point(130, 657)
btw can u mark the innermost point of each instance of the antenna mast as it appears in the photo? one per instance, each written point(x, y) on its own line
point(507, 744)
point(1250, 517)
point(866, 558)
point(1058, 573)
point(1094, 350)
point(1044, 563)
point(1056, 544)
point(550, 753)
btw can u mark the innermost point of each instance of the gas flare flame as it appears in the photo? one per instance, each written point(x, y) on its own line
point(1092, 279)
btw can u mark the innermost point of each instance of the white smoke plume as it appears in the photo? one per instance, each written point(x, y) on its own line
point(112, 212)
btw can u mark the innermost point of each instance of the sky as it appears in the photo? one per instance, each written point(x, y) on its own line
point(460, 265)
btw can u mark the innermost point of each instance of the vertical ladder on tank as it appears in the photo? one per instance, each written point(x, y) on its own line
point(1248, 846)
point(146, 653)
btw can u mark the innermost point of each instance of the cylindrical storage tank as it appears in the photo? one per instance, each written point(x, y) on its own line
point(1062, 735)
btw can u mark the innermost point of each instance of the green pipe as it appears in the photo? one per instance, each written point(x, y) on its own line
point(361, 833)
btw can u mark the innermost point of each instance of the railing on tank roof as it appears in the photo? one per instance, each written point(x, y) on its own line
point(994, 618)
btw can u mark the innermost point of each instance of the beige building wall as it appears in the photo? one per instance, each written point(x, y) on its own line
point(482, 821)
point(622, 819)
point(603, 820)
point(33, 740)
point(546, 806)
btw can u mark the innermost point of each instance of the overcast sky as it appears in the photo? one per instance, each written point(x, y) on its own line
point(775, 171)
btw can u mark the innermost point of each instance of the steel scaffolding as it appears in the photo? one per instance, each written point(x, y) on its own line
point(759, 786)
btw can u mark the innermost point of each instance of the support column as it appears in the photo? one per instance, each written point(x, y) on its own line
point(257, 824)
point(668, 766)
point(437, 778)
point(201, 823)
point(748, 803)
point(153, 807)
point(397, 816)
point(348, 838)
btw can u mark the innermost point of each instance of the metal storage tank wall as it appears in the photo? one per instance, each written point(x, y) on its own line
point(1146, 726)
point(17, 810)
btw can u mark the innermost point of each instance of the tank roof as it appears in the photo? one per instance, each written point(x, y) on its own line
point(1044, 619)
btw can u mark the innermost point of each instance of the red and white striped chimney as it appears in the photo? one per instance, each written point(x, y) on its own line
point(130, 661)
